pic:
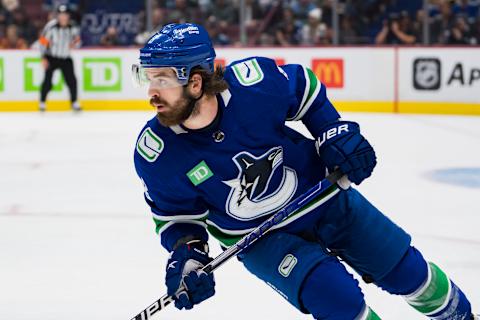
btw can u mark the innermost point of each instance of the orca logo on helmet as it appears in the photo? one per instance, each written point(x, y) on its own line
point(247, 199)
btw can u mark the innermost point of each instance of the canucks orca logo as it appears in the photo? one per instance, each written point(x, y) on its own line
point(248, 199)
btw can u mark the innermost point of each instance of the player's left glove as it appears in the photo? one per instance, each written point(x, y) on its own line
point(185, 267)
point(341, 145)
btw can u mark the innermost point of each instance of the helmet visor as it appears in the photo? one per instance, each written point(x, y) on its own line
point(161, 77)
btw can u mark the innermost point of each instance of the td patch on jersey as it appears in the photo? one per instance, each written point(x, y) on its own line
point(149, 146)
point(248, 72)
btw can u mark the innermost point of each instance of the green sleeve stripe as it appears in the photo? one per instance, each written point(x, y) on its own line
point(312, 88)
point(313, 84)
point(306, 89)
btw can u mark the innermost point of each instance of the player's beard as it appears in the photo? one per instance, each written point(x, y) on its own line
point(177, 112)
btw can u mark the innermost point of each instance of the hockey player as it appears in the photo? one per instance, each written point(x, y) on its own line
point(218, 157)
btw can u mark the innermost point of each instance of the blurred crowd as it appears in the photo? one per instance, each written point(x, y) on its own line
point(274, 22)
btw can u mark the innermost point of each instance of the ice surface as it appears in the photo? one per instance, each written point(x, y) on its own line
point(77, 239)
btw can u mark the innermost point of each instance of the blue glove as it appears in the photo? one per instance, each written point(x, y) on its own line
point(341, 145)
point(185, 267)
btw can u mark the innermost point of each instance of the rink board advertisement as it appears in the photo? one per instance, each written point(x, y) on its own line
point(413, 80)
point(436, 80)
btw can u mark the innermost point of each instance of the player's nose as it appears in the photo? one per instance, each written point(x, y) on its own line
point(153, 90)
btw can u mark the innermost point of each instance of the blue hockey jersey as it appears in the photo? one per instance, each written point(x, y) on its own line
point(232, 175)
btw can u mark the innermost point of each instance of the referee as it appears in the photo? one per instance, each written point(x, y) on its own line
point(58, 37)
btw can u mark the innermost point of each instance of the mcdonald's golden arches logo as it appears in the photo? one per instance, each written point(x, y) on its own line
point(329, 71)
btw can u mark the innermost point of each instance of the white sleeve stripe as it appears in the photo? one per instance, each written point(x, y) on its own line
point(228, 231)
point(180, 217)
point(309, 102)
point(307, 86)
point(169, 224)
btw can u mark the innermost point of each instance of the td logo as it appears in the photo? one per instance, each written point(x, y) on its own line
point(427, 73)
point(102, 74)
point(33, 74)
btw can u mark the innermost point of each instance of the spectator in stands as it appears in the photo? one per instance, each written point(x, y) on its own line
point(302, 8)
point(327, 12)
point(397, 29)
point(314, 32)
point(460, 33)
point(183, 12)
point(467, 8)
point(216, 33)
point(348, 34)
point(10, 5)
point(26, 28)
point(225, 12)
point(287, 31)
point(110, 38)
point(12, 39)
point(441, 23)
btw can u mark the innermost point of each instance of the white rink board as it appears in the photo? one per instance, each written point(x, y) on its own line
point(358, 78)
point(360, 83)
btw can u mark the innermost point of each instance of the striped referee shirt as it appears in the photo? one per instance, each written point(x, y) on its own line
point(56, 41)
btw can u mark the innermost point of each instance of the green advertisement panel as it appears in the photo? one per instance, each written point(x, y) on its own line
point(102, 74)
point(33, 74)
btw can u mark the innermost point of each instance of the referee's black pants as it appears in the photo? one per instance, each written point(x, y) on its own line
point(66, 66)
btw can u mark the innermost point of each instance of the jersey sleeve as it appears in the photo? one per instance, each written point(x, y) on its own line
point(309, 102)
point(176, 213)
point(76, 40)
point(45, 38)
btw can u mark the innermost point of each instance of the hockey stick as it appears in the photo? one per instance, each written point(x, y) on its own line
point(320, 191)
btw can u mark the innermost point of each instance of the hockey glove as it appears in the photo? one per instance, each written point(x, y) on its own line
point(341, 145)
point(185, 267)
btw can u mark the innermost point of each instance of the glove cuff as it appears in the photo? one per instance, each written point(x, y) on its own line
point(334, 130)
point(198, 244)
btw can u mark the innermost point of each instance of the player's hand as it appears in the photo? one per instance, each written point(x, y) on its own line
point(45, 63)
point(185, 267)
point(341, 145)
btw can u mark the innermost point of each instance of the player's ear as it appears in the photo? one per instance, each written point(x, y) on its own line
point(195, 84)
